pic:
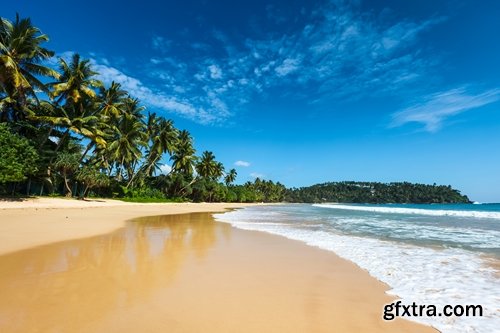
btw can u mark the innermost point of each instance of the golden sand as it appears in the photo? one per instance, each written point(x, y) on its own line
point(187, 273)
point(34, 222)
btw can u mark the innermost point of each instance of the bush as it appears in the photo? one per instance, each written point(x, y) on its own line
point(143, 192)
point(17, 157)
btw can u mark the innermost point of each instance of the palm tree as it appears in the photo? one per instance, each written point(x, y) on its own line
point(183, 158)
point(230, 177)
point(80, 120)
point(112, 100)
point(124, 145)
point(20, 56)
point(163, 137)
point(218, 170)
point(76, 82)
point(208, 167)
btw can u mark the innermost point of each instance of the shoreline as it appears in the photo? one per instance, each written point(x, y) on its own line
point(337, 293)
point(40, 221)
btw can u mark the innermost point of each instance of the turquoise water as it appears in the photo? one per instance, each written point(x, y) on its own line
point(466, 226)
point(428, 254)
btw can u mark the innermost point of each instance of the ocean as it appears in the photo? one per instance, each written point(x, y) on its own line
point(427, 254)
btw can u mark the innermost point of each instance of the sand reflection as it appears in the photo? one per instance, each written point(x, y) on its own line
point(67, 286)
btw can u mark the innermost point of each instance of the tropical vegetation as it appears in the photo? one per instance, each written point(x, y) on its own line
point(64, 132)
point(372, 192)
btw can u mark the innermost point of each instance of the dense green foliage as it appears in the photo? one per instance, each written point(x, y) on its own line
point(370, 192)
point(17, 157)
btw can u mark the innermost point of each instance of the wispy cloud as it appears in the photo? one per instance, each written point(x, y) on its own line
point(209, 110)
point(242, 163)
point(160, 43)
point(436, 108)
point(215, 72)
point(334, 51)
point(257, 175)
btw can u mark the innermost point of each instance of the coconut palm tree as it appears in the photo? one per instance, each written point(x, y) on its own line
point(163, 137)
point(218, 171)
point(230, 177)
point(125, 143)
point(112, 100)
point(183, 158)
point(76, 82)
point(208, 167)
point(21, 53)
point(80, 119)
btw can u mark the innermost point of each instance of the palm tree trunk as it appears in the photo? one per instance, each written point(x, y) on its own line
point(86, 151)
point(132, 174)
point(190, 183)
point(131, 179)
point(61, 140)
point(69, 194)
point(46, 138)
point(83, 192)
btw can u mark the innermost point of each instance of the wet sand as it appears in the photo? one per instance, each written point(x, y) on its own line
point(187, 273)
point(39, 221)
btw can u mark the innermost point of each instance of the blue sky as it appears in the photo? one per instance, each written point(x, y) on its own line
point(304, 92)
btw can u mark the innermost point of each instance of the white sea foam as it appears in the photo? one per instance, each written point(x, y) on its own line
point(474, 238)
point(415, 274)
point(419, 211)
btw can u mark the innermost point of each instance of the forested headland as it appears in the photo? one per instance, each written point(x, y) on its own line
point(63, 132)
point(373, 192)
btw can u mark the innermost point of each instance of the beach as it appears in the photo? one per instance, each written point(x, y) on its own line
point(77, 266)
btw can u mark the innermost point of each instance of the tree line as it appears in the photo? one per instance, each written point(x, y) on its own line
point(373, 192)
point(64, 132)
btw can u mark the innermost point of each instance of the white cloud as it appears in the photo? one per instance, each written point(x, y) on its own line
point(215, 72)
point(287, 66)
point(436, 108)
point(160, 43)
point(342, 51)
point(215, 112)
point(242, 163)
point(257, 175)
point(165, 169)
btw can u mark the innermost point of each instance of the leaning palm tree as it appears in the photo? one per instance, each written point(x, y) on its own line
point(21, 53)
point(80, 120)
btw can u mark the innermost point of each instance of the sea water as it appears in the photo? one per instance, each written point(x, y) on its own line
point(427, 254)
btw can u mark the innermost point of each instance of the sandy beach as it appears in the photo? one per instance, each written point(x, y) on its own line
point(71, 266)
point(39, 221)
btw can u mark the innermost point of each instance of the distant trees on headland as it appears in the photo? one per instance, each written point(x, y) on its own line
point(372, 192)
